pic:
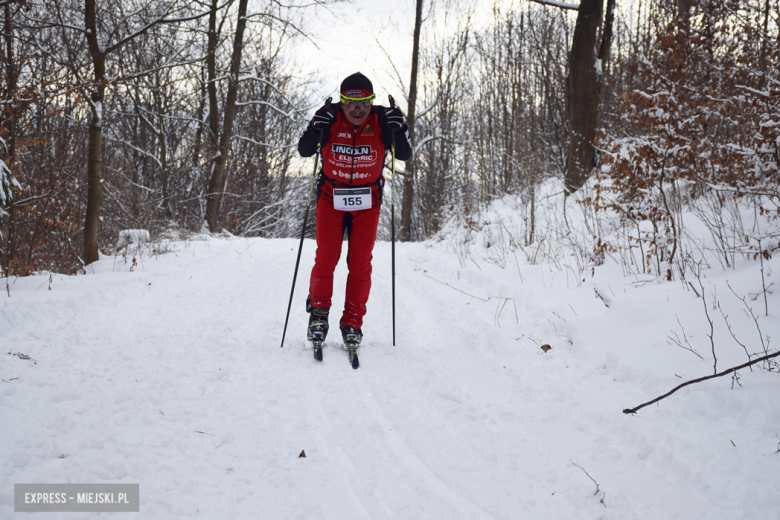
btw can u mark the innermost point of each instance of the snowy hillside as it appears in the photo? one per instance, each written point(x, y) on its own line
point(169, 374)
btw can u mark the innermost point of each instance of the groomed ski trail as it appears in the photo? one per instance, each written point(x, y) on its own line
point(171, 376)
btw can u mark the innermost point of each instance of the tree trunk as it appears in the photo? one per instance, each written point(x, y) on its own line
point(199, 131)
point(196, 159)
point(211, 81)
point(217, 184)
point(211, 92)
point(11, 77)
point(94, 149)
point(9, 122)
point(585, 87)
point(765, 37)
point(405, 233)
point(163, 151)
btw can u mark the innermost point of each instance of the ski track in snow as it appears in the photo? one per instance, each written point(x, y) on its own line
point(172, 377)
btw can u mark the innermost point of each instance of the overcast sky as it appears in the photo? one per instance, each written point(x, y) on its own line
point(349, 41)
point(350, 36)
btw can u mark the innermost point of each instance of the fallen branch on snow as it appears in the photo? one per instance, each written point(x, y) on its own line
point(728, 371)
point(451, 287)
point(598, 488)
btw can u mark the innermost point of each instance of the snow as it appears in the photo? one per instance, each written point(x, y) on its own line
point(98, 113)
point(169, 373)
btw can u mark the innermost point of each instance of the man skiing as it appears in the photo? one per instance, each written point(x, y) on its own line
point(354, 136)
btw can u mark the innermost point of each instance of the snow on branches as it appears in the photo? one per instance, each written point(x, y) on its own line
point(702, 128)
point(7, 181)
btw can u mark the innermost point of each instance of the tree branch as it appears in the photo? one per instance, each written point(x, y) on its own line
point(274, 146)
point(562, 5)
point(153, 23)
point(725, 372)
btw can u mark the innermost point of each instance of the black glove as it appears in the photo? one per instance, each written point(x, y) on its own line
point(395, 119)
point(324, 118)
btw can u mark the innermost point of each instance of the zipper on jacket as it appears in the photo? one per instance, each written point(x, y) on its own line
point(354, 145)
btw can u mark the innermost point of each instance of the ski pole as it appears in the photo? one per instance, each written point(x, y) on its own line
point(392, 223)
point(303, 231)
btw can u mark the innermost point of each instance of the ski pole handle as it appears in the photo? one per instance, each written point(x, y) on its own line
point(392, 105)
point(322, 132)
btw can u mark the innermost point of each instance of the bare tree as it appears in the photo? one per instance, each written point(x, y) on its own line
point(217, 183)
point(441, 139)
point(281, 19)
point(107, 28)
point(404, 234)
point(266, 131)
point(588, 58)
point(124, 111)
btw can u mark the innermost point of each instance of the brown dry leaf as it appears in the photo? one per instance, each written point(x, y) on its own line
point(302, 455)
point(546, 347)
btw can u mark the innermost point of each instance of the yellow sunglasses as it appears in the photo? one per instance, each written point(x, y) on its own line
point(361, 102)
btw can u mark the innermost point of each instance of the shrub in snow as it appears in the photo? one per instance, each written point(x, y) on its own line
point(129, 237)
point(700, 135)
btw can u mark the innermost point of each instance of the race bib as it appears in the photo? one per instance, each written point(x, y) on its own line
point(351, 199)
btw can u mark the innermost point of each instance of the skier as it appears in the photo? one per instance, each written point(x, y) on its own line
point(354, 138)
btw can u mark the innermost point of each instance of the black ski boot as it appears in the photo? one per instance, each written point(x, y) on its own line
point(318, 329)
point(352, 338)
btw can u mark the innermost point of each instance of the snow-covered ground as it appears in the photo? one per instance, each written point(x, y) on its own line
point(171, 375)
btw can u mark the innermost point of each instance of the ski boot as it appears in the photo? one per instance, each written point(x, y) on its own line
point(318, 330)
point(352, 338)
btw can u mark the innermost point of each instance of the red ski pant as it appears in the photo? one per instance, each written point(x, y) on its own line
point(361, 228)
